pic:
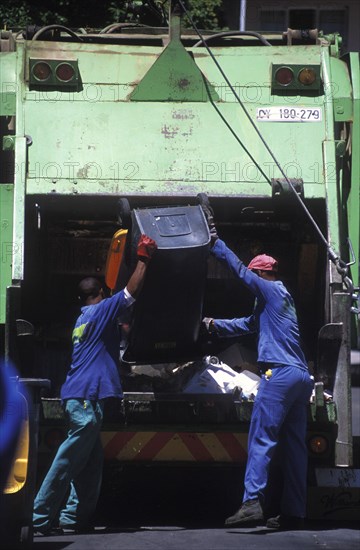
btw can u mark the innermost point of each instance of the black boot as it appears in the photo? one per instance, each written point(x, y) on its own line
point(285, 523)
point(250, 513)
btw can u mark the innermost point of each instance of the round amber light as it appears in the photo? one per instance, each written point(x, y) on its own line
point(41, 71)
point(284, 76)
point(65, 72)
point(318, 444)
point(307, 76)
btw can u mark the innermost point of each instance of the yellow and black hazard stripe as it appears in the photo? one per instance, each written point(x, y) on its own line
point(170, 446)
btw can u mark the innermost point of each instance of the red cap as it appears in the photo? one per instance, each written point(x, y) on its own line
point(264, 263)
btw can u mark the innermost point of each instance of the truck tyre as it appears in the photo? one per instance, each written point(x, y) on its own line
point(124, 213)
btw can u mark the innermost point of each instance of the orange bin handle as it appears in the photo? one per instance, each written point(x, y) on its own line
point(114, 258)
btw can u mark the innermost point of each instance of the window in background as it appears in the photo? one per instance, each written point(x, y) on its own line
point(273, 20)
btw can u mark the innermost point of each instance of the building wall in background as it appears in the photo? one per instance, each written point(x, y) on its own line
point(278, 15)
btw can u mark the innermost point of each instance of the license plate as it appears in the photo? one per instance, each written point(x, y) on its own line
point(289, 114)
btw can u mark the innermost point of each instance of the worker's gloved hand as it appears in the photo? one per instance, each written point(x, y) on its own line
point(208, 323)
point(209, 215)
point(146, 248)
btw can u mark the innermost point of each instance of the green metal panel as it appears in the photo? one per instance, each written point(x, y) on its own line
point(21, 166)
point(8, 84)
point(163, 144)
point(19, 210)
point(106, 144)
point(174, 77)
point(6, 243)
point(341, 90)
point(251, 67)
point(329, 163)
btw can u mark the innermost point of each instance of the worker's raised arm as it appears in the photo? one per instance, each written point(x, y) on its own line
point(145, 250)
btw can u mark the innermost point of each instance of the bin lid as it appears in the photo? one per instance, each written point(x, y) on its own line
point(174, 227)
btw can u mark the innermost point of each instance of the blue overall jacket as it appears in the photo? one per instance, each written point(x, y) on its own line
point(273, 319)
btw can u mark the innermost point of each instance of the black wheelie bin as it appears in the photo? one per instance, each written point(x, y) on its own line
point(168, 312)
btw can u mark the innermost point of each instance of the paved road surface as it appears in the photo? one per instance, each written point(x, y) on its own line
point(172, 537)
point(175, 509)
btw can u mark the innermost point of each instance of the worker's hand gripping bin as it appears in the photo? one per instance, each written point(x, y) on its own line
point(168, 311)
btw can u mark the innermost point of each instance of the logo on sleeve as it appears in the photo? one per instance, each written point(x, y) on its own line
point(81, 333)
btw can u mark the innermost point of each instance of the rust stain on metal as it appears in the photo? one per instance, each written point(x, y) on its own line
point(169, 131)
point(174, 187)
point(183, 114)
point(117, 52)
point(183, 83)
point(83, 172)
point(188, 133)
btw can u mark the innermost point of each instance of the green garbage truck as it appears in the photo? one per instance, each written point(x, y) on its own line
point(98, 127)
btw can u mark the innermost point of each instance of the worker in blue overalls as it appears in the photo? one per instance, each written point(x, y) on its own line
point(280, 408)
point(93, 377)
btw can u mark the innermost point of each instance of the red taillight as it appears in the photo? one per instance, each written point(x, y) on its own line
point(318, 444)
point(284, 76)
point(41, 71)
point(65, 72)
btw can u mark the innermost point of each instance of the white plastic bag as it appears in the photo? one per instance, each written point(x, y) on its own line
point(218, 377)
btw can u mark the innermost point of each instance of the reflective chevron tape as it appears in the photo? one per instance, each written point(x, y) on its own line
point(175, 446)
